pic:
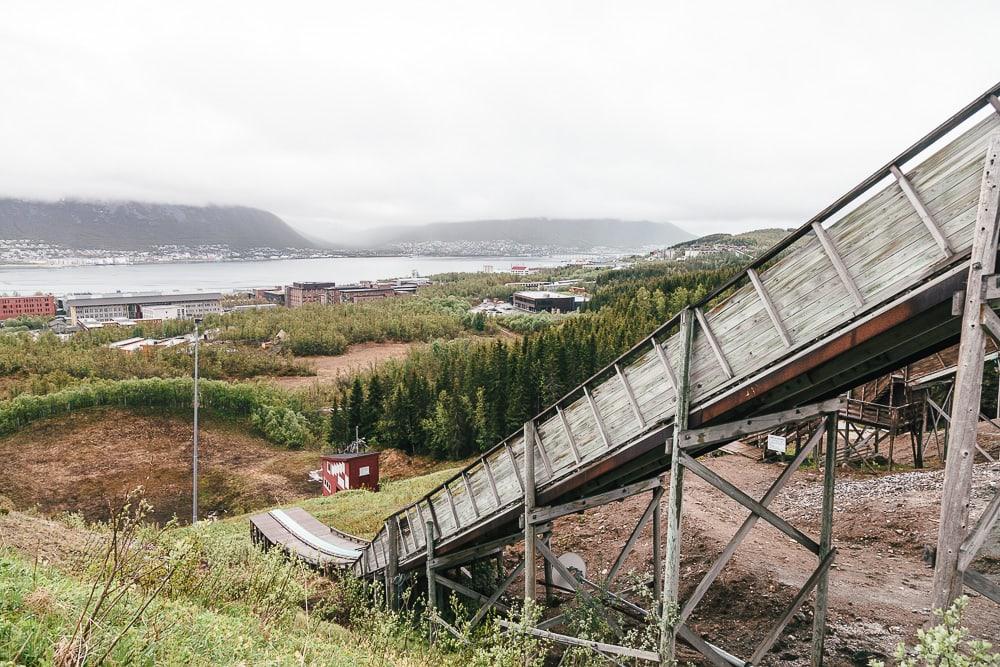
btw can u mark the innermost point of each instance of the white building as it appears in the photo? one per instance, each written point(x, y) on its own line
point(105, 308)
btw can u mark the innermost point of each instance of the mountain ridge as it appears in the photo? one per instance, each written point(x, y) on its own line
point(133, 225)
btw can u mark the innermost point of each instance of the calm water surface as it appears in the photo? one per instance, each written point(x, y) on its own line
point(214, 276)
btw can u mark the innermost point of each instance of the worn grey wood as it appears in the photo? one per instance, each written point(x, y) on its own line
point(727, 487)
point(546, 462)
point(800, 597)
point(921, 208)
point(995, 103)
point(730, 549)
point(471, 494)
point(492, 600)
point(722, 433)
point(451, 504)
point(658, 550)
point(668, 370)
point(475, 552)
point(452, 630)
point(711, 652)
point(975, 540)
point(669, 609)
point(513, 464)
point(631, 396)
point(570, 438)
point(838, 264)
point(542, 515)
point(772, 312)
point(597, 418)
point(431, 583)
point(825, 540)
point(714, 343)
point(466, 591)
point(530, 570)
point(392, 567)
point(991, 322)
point(983, 585)
point(492, 481)
point(954, 522)
point(654, 503)
point(600, 647)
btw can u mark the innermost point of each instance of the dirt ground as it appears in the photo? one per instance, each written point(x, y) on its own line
point(357, 358)
point(879, 584)
point(81, 462)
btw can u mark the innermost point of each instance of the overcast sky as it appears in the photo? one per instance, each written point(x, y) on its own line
point(335, 115)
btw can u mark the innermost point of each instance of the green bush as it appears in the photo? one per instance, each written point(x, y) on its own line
point(946, 644)
point(281, 425)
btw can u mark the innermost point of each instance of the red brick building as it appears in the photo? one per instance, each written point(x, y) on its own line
point(341, 472)
point(39, 305)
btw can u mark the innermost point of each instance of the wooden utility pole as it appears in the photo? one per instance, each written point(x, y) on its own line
point(529, 507)
point(961, 440)
point(669, 609)
point(825, 539)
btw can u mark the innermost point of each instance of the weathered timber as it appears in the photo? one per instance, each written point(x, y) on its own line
point(546, 463)
point(742, 498)
point(529, 506)
point(953, 526)
point(600, 647)
point(838, 264)
point(497, 594)
point(545, 514)
point(772, 312)
point(979, 534)
point(724, 433)
point(569, 435)
point(983, 585)
point(668, 370)
point(714, 344)
point(654, 502)
point(597, 418)
point(631, 396)
point(825, 540)
point(922, 211)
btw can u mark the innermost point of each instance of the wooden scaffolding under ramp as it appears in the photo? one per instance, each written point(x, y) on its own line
point(861, 289)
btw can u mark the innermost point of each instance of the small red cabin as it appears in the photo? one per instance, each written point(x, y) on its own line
point(341, 472)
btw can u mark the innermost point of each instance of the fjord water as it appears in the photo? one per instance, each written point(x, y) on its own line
point(215, 276)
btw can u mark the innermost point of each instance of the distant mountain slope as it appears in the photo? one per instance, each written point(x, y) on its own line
point(756, 238)
point(137, 225)
point(570, 234)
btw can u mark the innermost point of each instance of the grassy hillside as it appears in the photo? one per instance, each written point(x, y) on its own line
point(200, 595)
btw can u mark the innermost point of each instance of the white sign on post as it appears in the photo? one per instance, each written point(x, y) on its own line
point(776, 443)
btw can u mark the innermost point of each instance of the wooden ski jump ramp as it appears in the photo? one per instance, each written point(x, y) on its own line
point(863, 288)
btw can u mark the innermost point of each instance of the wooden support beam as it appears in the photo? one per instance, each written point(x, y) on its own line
point(975, 539)
point(545, 514)
point(571, 580)
point(838, 264)
point(546, 463)
point(722, 433)
point(714, 344)
point(672, 551)
point(472, 496)
point(597, 418)
point(472, 553)
point(772, 312)
point(995, 102)
point(982, 585)
point(492, 481)
point(600, 647)
point(434, 517)
point(991, 321)
point(513, 464)
point(452, 630)
point(466, 591)
point(922, 211)
point(569, 435)
point(667, 368)
point(392, 565)
point(711, 652)
point(451, 504)
point(710, 476)
point(825, 540)
point(800, 597)
point(529, 506)
point(631, 396)
point(431, 584)
point(657, 551)
point(484, 609)
point(953, 526)
point(654, 502)
point(730, 549)
point(943, 416)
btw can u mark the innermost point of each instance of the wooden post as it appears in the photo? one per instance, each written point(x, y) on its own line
point(547, 569)
point(392, 564)
point(825, 539)
point(431, 581)
point(954, 525)
point(669, 608)
point(529, 506)
point(657, 555)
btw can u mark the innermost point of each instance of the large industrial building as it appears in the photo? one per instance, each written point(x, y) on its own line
point(537, 302)
point(104, 308)
point(39, 305)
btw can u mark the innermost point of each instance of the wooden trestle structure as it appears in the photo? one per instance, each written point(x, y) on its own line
point(862, 289)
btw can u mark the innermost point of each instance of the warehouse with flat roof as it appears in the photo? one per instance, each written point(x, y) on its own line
point(104, 308)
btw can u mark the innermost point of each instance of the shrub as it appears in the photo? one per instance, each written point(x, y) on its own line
point(947, 643)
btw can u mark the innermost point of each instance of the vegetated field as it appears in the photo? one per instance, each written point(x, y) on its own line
point(80, 462)
point(357, 358)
